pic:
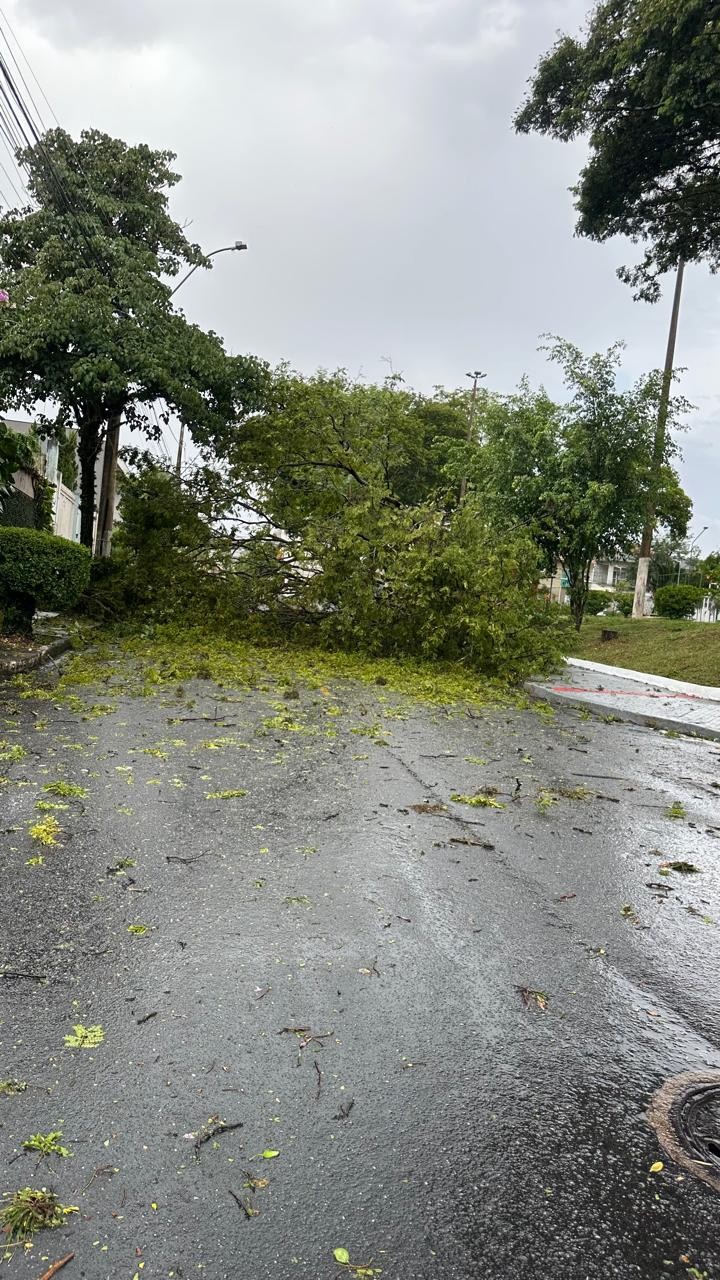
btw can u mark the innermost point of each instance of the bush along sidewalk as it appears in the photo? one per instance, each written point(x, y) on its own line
point(38, 571)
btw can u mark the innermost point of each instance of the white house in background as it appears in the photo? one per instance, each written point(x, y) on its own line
point(66, 501)
point(605, 575)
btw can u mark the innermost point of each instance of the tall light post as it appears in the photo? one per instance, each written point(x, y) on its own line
point(658, 454)
point(228, 248)
point(697, 538)
point(476, 375)
point(106, 502)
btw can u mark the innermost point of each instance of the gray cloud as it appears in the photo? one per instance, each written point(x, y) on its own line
point(364, 149)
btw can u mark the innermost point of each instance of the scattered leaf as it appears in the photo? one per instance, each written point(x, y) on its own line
point(85, 1037)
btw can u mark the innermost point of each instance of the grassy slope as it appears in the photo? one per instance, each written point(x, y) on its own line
point(683, 650)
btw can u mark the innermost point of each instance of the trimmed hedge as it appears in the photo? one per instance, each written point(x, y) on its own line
point(38, 571)
point(17, 511)
point(678, 601)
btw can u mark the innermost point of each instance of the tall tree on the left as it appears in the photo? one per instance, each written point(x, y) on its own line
point(90, 333)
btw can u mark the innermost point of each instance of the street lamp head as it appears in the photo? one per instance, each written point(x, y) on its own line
point(239, 244)
point(476, 373)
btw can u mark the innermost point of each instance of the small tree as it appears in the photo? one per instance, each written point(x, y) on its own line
point(576, 474)
point(38, 570)
point(677, 600)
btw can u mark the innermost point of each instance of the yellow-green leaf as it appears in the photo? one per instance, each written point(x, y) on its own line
point(342, 1256)
point(270, 1155)
point(657, 1167)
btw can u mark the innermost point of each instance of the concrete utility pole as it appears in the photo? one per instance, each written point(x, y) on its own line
point(106, 505)
point(643, 568)
point(229, 248)
point(476, 375)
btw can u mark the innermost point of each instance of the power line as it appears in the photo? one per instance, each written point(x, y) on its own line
point(21, 51)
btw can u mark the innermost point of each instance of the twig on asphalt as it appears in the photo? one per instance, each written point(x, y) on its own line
point(318, 1090)
point(565, 897)
point(20, 973)
point(345, 1109)
point(213, 1127)
point(147, 1017)
point(305, 1038)
point(96, 1173)
point(224, 724)
point(57, 1266)
point(173, 857)
point(241, 1204)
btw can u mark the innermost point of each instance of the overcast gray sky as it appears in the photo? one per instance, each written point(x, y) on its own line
point(364, 150)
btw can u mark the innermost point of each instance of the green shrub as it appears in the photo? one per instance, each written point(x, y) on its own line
point(597, 601)
point(38, 571)
point(678, 600)
point(624, 601)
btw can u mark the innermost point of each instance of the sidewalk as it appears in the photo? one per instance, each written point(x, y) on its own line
point(634, 696)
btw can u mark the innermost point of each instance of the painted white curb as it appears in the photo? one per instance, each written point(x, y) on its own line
point(656, 682)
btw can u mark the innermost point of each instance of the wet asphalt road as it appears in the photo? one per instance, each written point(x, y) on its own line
point(437, 1127)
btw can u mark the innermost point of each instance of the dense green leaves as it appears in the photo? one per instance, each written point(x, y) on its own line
point(333, 517)
point(91, 328)
point(677, 600)
point(38, 570)
point(576, 474)
point(644, 85)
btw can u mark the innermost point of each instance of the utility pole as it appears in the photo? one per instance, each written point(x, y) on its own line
point(178, 460)
point(106, 506)
point(658, 453)
point(476, 375)
point(237, 247)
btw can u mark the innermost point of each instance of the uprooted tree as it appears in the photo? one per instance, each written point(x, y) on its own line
point(90, 328)
point(334, 516)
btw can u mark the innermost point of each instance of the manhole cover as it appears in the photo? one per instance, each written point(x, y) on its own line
point(685, 1114)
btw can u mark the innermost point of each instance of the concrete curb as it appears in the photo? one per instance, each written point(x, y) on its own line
point(711, 692)
point(10, 667)
point(631, 717)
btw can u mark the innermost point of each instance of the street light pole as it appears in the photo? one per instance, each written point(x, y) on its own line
point(697, 538)
point(476, 375)
point(658, 455)
point(106, 502)
point(228, 248)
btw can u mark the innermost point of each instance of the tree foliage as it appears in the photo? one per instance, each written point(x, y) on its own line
point(16, 454)
point(677, 600)
point(91, 328)
point(644, 85)
point(576, 474)
point(333, 517)
point(38, 571)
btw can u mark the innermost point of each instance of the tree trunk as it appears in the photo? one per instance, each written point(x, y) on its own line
point(89, 441)
point(579, 579)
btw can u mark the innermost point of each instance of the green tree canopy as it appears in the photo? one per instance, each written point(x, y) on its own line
point(644, 85)
point(334, 515)
point(90, 329)
point(576, 474)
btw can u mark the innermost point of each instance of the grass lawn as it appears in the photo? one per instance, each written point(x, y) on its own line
point(661, 646)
